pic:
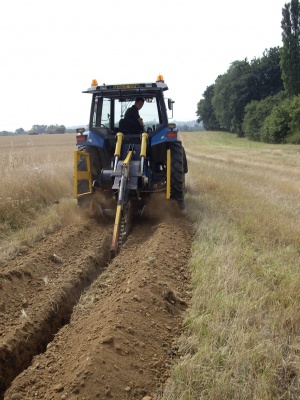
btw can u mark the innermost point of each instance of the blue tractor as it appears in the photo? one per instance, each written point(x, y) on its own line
point(120, 171)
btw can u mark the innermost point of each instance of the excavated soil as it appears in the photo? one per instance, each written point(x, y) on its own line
point(76, 325)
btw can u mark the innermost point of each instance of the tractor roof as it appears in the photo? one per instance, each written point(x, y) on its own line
point(128, 89)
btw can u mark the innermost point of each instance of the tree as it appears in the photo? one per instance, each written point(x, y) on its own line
point(233, 90)
point(60, 129)
point(19, 131)
point(205, 111)
point(256, 112)
point(38, 129)
point(56, 129)
point(51, 129)
point(290, 54)
point(267, 74)
point(275, 127)
point(223, 106)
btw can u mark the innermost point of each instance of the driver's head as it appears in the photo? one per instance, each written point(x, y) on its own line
point(139, 102)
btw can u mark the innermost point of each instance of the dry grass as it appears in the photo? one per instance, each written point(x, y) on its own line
point(36, 188)
point(242, 336)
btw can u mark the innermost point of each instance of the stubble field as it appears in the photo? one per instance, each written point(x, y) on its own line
point(197, 306)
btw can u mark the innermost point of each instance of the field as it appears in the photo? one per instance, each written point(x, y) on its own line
point(197, 306)
point(241, 336)
point(36, 173)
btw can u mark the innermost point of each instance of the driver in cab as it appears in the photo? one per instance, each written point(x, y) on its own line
point(132, 123)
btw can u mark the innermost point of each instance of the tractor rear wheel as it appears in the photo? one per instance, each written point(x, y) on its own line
point(177, 174)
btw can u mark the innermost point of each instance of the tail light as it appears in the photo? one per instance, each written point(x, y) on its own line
point(81, 138)
point(172, 134)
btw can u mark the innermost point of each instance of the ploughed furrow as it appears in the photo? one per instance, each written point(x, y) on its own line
point(122, 336)
point(39, 289)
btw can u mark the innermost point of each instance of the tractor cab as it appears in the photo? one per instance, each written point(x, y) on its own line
point(110, 103)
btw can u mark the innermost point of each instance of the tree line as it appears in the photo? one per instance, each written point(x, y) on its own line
point(39, 129)
point(260, 99)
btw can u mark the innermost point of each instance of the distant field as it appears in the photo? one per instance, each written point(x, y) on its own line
point(242, 332)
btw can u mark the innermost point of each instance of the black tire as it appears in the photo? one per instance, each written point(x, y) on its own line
point(82, 186)
point(185, 164)
point(177, 174)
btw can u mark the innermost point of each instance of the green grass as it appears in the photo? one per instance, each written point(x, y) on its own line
point(241, 338)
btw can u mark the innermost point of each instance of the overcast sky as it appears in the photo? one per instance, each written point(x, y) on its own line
point(52, 49)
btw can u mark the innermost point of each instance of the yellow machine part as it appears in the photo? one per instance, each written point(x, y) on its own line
point(119, 141)
point(128, 158)
point(144, 144)
point(115, 238)
point(82, 175)
point(117, 225)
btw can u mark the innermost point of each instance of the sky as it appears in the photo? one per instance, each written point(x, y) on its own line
point(51, 50)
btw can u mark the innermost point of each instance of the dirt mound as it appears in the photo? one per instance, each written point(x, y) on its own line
point(119, 340)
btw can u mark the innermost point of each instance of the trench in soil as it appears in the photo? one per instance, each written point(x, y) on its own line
point(136, 300)
point(31, 337)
